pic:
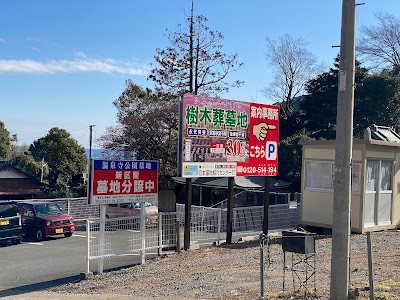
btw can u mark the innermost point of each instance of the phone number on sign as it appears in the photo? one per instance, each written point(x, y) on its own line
point(268, 171)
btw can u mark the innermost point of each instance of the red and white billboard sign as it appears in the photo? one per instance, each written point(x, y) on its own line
point(228, 138)
point(117, 181)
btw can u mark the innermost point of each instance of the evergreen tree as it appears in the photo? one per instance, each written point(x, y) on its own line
point(62, 154)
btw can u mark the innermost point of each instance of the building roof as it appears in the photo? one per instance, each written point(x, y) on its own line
point(382, 133)
point(240, 182)
point(24, 186)
point(5, 166)
point(373, 135)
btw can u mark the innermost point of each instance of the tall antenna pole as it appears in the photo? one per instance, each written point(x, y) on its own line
point(341, 227)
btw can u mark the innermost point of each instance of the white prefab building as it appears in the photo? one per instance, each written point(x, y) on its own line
point(375, 201)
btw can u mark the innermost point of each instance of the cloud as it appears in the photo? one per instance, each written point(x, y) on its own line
point(32, 39)
point(2, 41)
point(79, 65)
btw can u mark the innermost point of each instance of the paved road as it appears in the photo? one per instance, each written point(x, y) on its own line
point(33, 266)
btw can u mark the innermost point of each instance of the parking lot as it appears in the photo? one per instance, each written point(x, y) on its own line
point(33, 266)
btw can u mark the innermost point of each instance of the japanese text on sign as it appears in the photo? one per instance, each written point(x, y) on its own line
point(116, 181)
point(217, 130)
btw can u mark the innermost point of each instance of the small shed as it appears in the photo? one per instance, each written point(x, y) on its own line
point(17, 185)
point(375, 201)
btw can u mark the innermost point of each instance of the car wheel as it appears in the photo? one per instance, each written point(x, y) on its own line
point(16, 241)
point(68, 234)
point(39, 235)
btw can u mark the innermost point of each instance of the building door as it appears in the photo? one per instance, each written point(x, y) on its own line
point(378, 193)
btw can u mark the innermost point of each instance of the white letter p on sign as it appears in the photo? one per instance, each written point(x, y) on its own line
point(271, 150)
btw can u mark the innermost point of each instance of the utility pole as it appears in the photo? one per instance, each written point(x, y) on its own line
point(341, 228)
point(90, 142)
point(89, 184)
point(41, 175)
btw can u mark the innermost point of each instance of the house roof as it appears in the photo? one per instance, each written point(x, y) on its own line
point(240, 182)
point(24, 186)
point(21, 192)
point(8, 166)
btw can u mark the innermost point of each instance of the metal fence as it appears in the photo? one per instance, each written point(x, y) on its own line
point(129, 236)
point(78, 208)
point(206, 219)
point(242, 198)
point(209, 224)
point(132, 236)
point(206, 223)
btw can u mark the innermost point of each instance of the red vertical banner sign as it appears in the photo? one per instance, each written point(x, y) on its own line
point(263, 142)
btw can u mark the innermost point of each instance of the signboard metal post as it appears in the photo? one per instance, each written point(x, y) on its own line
point(229, 219)
point(143, 232)
point(188, 207)
point(100, 263)
point(266, 206)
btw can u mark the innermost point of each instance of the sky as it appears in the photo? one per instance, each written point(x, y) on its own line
point(63, 63)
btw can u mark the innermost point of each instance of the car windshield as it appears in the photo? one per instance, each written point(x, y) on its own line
point(147, 204)
point(8, 210)
point(48, 209)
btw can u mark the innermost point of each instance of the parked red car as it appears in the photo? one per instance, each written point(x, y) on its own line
point(133, 209)
point(44, 219)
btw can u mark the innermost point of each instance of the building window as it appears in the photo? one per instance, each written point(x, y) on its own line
point(355, 178)
point(386, 174)
point(320, 176)
point(371, 176)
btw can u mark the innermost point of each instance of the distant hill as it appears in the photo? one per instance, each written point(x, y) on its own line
point(100, 153)
point(105, 154)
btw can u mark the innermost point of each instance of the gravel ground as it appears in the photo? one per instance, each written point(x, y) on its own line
point(233, 272)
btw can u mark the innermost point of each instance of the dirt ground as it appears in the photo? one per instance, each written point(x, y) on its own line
point(233, 272)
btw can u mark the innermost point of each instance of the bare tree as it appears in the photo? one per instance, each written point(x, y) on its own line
point(293, 65)
point(380, 45)
point(194, 63)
